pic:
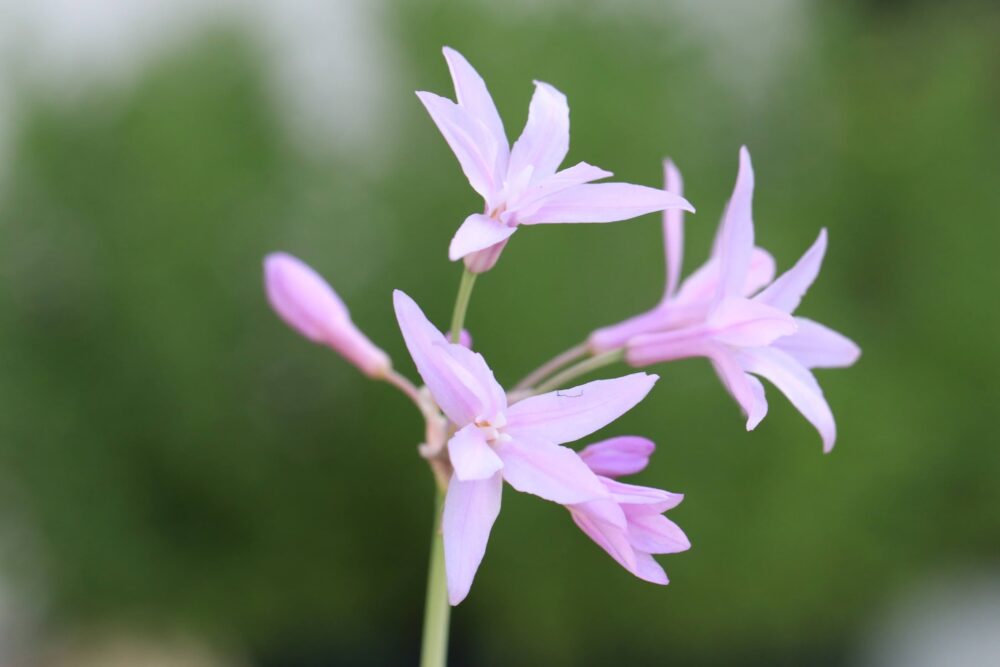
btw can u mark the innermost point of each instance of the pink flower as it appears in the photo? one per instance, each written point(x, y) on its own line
point(712, 316)
point(645, 531)
point(494, 441)
point(521, 184)
point(309, 305)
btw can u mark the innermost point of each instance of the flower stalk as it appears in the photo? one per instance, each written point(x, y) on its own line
point(582, 368)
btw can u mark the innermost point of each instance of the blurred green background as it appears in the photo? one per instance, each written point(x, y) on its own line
point(174, 459)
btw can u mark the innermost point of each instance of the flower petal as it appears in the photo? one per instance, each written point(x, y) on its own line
point(616, 457)
point(702, 285)
point(648, 349)
point(602, 202)
point(617, 335)
point(735, 241)
point(673, 228)
point(637, 499)
point(787, 290)
point(747, 391)
point(796, 382)
point(656, 534)
point(473, 96)
point(470, 141)
point(647, 569)
point(458, 395)
point(470, 508)
point(817, 346)
point(478, 232)
point(533, 465)
point(545, 140)
point(570, 414)
point(471, 456)
point(530, 199)
point(748, 323)
point(610, 537)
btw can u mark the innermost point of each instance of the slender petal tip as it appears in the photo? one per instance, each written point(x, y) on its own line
point(309, 305)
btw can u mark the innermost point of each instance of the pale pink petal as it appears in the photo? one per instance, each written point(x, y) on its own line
point(787, 291)
point(470, 508)
point(817, 346)
point(796, 382)
point(656, 534)
point(695, 341)
point(556, 473)
point(484, 260)
point(570, 414)
point(748, 323)
point(478, 232)
point(309, 305)
point(758, 407)
point(610, 537)
point(470, 141)
point(473, 96)
point(702, 285)
point(492, 395)
point(602, 202)
point(545, 140)
point(735, 242)
point(616, 457)
point(647, 569)
point(745, 389)
point(471, 456)
point(617, 335)
point(529, 200)
point(641, 499)
point(459, 395)
point(673, 228)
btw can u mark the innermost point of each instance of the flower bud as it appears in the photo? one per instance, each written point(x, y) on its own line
point(309, 305)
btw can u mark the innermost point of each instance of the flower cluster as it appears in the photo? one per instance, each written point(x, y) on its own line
point(731, 310)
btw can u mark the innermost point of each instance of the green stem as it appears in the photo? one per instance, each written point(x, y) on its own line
point(582, 368)
point(437, 610)
point(434, 652)
point(462, 304)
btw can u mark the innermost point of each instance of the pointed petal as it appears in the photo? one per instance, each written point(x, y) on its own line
point(491, 395)
point(649, 570)
point(796, 382)
point(656, 534)
point(471, 456)
point(748, 323)
point(616, 457)
point(556, 473)
point(787, 291)
point(473, 96)
point(470, 141)
point(602, 202)
point(470, 508)
point(647, 349)
point(613, 539)
point(703, 284)
point(673, 228)
point(478, 232)
point(570, 414)
point(545, 140)
point(735, 243)
point(817, 346)
point(637, 499)
point(617, 335)
point(457, 394)
point(530, 199)
point(747, 391)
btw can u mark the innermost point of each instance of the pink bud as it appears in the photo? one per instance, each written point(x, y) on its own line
point(464, 338)
point(309, 305)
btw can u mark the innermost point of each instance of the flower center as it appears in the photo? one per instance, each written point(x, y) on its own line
point(491, 428)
